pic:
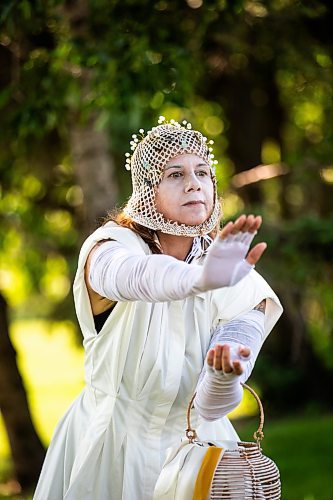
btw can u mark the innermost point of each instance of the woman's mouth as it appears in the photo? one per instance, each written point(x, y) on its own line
point(194, 202)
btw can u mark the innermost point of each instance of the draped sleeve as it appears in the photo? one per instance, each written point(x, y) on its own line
point(228, 303)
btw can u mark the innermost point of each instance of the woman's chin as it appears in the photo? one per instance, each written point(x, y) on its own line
point(193, 221)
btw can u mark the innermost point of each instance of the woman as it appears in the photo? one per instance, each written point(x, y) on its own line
point(150, 292)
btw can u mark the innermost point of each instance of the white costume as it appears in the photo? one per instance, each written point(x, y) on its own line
point(141, 370)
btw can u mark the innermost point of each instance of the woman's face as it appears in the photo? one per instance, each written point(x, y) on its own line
point(186, 191)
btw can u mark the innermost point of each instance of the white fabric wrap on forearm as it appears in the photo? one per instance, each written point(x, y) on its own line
point(118, 274)
point(219, 393)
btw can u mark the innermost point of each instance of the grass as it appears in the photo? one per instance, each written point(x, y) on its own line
point(302, 447)
point(52, 369)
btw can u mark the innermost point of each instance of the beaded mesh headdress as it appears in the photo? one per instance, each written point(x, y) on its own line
point(150, 155)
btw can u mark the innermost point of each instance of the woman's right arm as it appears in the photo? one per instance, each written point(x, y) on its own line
point(115, 272)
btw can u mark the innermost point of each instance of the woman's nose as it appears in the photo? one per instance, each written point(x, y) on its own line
point(192, 183)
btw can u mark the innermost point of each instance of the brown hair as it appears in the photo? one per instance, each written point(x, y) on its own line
point(148, 235)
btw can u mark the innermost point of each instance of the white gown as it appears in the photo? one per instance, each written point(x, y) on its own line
point(140, 370)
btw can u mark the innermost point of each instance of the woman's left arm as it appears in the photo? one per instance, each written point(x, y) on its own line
point(232, 353)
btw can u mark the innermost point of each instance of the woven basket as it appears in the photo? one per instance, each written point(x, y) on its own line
point(244, 472)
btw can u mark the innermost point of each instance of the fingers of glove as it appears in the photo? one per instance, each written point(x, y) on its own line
point(241, 223)
point(244, 223)
point(219, 362)
point(218, 357)
point(222, 358)
point(226, 359)
point(214, 357)
point(210, 357)
point(226, 230)
point(252, 223)
point(255, 253)
point(237, 367)
point(233, 227)
point(244, 351)
point(241, 352)
point(229, 365)
point(256, 224)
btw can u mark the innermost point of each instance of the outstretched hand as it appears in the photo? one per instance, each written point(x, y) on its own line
point(219, 358)
point(229, 258)
point(246, 223)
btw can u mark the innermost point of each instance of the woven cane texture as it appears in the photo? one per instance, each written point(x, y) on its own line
point(147, 165)
point(245, 473)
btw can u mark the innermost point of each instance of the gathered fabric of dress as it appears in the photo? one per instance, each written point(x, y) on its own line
point(140, 371)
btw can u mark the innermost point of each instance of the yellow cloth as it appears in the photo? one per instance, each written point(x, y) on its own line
point(206, 473)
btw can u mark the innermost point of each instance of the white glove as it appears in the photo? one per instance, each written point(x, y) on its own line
point(225, 262)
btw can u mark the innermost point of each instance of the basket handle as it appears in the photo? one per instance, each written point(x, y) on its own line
point(258, 434)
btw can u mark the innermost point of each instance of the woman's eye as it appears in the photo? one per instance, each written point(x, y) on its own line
point(175, 174)
point(202, 173)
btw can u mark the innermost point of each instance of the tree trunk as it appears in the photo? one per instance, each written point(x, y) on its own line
point(89, 145)
point(93, 167)
point(27, 450)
